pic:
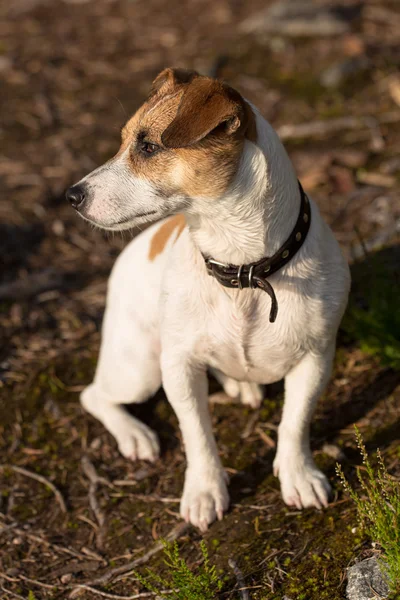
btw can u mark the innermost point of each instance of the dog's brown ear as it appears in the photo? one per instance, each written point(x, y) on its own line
point(205, 104)
point(171, 78)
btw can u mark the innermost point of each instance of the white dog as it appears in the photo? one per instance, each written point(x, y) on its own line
point(176, 307)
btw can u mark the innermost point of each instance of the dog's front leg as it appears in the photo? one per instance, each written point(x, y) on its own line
point(302, 483)
point(205, 495)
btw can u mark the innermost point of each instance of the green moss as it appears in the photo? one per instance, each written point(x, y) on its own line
point(372, 319)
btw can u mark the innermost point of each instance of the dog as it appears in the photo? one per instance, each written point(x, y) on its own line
point(189, 293)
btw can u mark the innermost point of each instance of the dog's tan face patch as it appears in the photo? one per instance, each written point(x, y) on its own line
point(206, 126)
point(163, 233)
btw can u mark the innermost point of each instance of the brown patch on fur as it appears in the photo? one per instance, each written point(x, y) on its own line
point(205, 105)
point(163, 233)
point(200, 125)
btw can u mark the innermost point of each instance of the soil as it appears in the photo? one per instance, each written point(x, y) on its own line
point(71, 72)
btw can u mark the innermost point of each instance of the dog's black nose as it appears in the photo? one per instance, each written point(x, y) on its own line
point(76, 195)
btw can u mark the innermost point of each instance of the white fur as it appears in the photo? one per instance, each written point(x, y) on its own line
point(167, 322)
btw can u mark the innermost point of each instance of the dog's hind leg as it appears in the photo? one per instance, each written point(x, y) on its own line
point(135, 440)
point(302, 483)
point(248, 393)
point(128, 372)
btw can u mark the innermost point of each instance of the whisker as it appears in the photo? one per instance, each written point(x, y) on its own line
point(122, 106)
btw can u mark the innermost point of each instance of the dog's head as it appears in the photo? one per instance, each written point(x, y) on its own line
point(184, 142)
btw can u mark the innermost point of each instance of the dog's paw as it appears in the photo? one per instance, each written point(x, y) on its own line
point(205, 498)
point(250, 394)
point(136, 441)
point(302, 484)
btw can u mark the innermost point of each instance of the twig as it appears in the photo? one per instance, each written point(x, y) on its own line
point(174, 534)
point(77, 567)
point(244, 594)
point(253, 506)
point(155, 498)
point(361, 241)
point(13, 594)
point(21, 577)
point(377, 241)
point(89, 588)
point(36, 582)
point(41, 479)
point(222, 398)
point(39, 540)
point(316, 128)
point(91, 473)
point(266, 438)
point(94, 480)
point(251, 423)
point(31, 285)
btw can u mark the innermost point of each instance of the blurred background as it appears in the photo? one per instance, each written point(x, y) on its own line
point(326, 75)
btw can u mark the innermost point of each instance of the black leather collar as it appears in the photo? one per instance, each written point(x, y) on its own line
point(254, 275)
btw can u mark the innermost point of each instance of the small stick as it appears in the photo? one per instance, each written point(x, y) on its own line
point(36, 582)
point(91, 473)
point(55, 547)
point(174, 534)
point(20, 577)
point(94, 480)
point(244, 594)
point(13, 594)
point(115, 597)
point(252, 506)
point(315, 128)
point(41, 479)
point(155, 498)
point(31, 285)
point(266, 438)
point(251, 423)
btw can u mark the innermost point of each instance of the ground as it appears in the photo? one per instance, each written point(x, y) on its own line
point(71, 72)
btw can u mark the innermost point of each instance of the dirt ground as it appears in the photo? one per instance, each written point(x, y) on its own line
point(71, 71)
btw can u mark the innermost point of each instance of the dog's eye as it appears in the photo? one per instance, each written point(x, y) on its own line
point(148, 148)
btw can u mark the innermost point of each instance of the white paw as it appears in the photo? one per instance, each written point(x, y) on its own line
point(205, 498)
point(302, 484)
point(136, 441)
point(250, 394)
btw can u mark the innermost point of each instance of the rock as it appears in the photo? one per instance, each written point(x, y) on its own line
point(302, 18)
point(334, 451)
point(366, 581)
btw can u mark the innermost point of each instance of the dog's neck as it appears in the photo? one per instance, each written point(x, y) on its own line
point(259, 211)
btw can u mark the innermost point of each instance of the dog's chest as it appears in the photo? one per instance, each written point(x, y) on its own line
point(244, 344)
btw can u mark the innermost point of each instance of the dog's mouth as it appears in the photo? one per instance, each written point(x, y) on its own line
point(127, 223)
point(131, 219)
